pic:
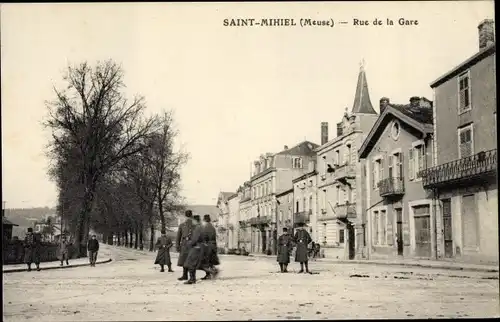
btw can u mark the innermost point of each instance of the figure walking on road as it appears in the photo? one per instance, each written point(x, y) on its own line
point(183, 236)
point(163, 257)
point(32, 245)
point(64, 245)
point(211, 259)
point(93, 249)
point(284, 248)
point(302, 239)
point(196, 251)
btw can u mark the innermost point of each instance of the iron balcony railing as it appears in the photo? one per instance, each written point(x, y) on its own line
point(460, 170)
point(346, 210)
point(393, 186)
point(344, 171)
point(302, 216)
point(260, 220)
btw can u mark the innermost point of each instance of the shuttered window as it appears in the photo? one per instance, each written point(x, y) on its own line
point(411, 164)
point(464, 102)
point(375, 228)
point(381, 169)
point(391, 166)
point(383, 227)
point(465, 141)
point(469, 221)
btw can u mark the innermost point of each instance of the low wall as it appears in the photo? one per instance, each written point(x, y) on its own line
point(13, 252)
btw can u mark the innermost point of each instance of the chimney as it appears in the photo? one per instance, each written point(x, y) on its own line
point(285, 147)
point(324, 132)
point(339, 129)
point(384, 101)
point(486, 33)
point(414, 101)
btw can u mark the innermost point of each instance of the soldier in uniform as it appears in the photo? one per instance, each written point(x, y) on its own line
point(183, 235)
point(163, 257)
point(32, 249)
point(284, 248)
point(211, 259)
point(195, 256)
point(302, 239)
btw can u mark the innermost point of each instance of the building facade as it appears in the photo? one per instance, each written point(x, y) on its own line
point(400, 219)
point(245, 213)
point(222, 224)
point(339, 227)
point(463, 177)
point(304, 200)
point(233, 220)
point(273, 174)
point(284, 201)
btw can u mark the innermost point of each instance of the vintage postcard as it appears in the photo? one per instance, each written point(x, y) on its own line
point(249, 161)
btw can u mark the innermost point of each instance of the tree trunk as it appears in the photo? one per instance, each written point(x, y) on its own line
point(118, 237)
point(136, 237)
point(141, 237)
point(130, 241)
point(126, 238)
point(82, 224)
point(162, 216)
point(152, 239)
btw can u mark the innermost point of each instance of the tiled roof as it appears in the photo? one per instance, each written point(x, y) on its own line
point(5, 221)
point(362, 102)
point(303, 148)
point(421, 115)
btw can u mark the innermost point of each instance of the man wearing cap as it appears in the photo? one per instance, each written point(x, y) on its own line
point(163, 256)
point(302, 239)
point(183, 236)
point(64, 250)
point(211, 259)
point(196, 251)
point(284, 248)
point(32, 249)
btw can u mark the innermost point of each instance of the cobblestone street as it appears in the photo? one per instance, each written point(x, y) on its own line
point(132, 288)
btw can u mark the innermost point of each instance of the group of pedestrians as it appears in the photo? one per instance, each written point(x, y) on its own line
point(286, 242)
point(196, 243)
point(33, 247)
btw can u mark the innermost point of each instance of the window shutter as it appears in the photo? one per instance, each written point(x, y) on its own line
point(381, 165)
point(411, 164)
point(391, 166)
point(400, 165)
point(373, 175)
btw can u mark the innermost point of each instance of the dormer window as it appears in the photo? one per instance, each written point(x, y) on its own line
point(297, 163)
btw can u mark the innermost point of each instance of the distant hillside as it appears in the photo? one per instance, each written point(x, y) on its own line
point(26, 217)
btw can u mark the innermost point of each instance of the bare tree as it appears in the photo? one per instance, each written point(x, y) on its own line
point(165, 163)
point(93, 114)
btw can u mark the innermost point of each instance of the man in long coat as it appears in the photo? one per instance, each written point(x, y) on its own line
point(194, 259)
point(164, 243)
point(284, 249)
point(32, 245)
point(183, 236)
point(211, 259)
point(63, 250)
point(302, 239)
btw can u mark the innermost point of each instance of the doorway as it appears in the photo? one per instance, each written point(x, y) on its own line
point(351, 241)
point(422, 231)
point(399, 231)
point(264, 240)
point(447, 228)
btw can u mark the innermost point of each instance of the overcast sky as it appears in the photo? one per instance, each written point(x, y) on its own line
point(236, 92)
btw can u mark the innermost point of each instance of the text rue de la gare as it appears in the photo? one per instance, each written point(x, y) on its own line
point(305, 22)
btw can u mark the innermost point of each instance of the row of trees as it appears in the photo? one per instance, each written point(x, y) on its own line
point(117, 170)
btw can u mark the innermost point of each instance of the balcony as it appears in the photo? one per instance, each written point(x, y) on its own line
point(344, 172)
point(462, 170)
point(302, 216)
point(391, 187)
point(260, 221)
point(345, 211)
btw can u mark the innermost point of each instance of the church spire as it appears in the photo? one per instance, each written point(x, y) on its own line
point(362, 103)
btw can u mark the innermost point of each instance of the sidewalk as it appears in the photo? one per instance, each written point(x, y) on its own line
point(445, 264)
point(105, 257)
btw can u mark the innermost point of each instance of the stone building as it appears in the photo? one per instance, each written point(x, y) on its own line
point(222, 223)
point(463, 175)
point(284, 201)
point(399, 218)
point(233, 220)
point(273, 174)
point(304, 200)
point(339, 202)
point(245, 213)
